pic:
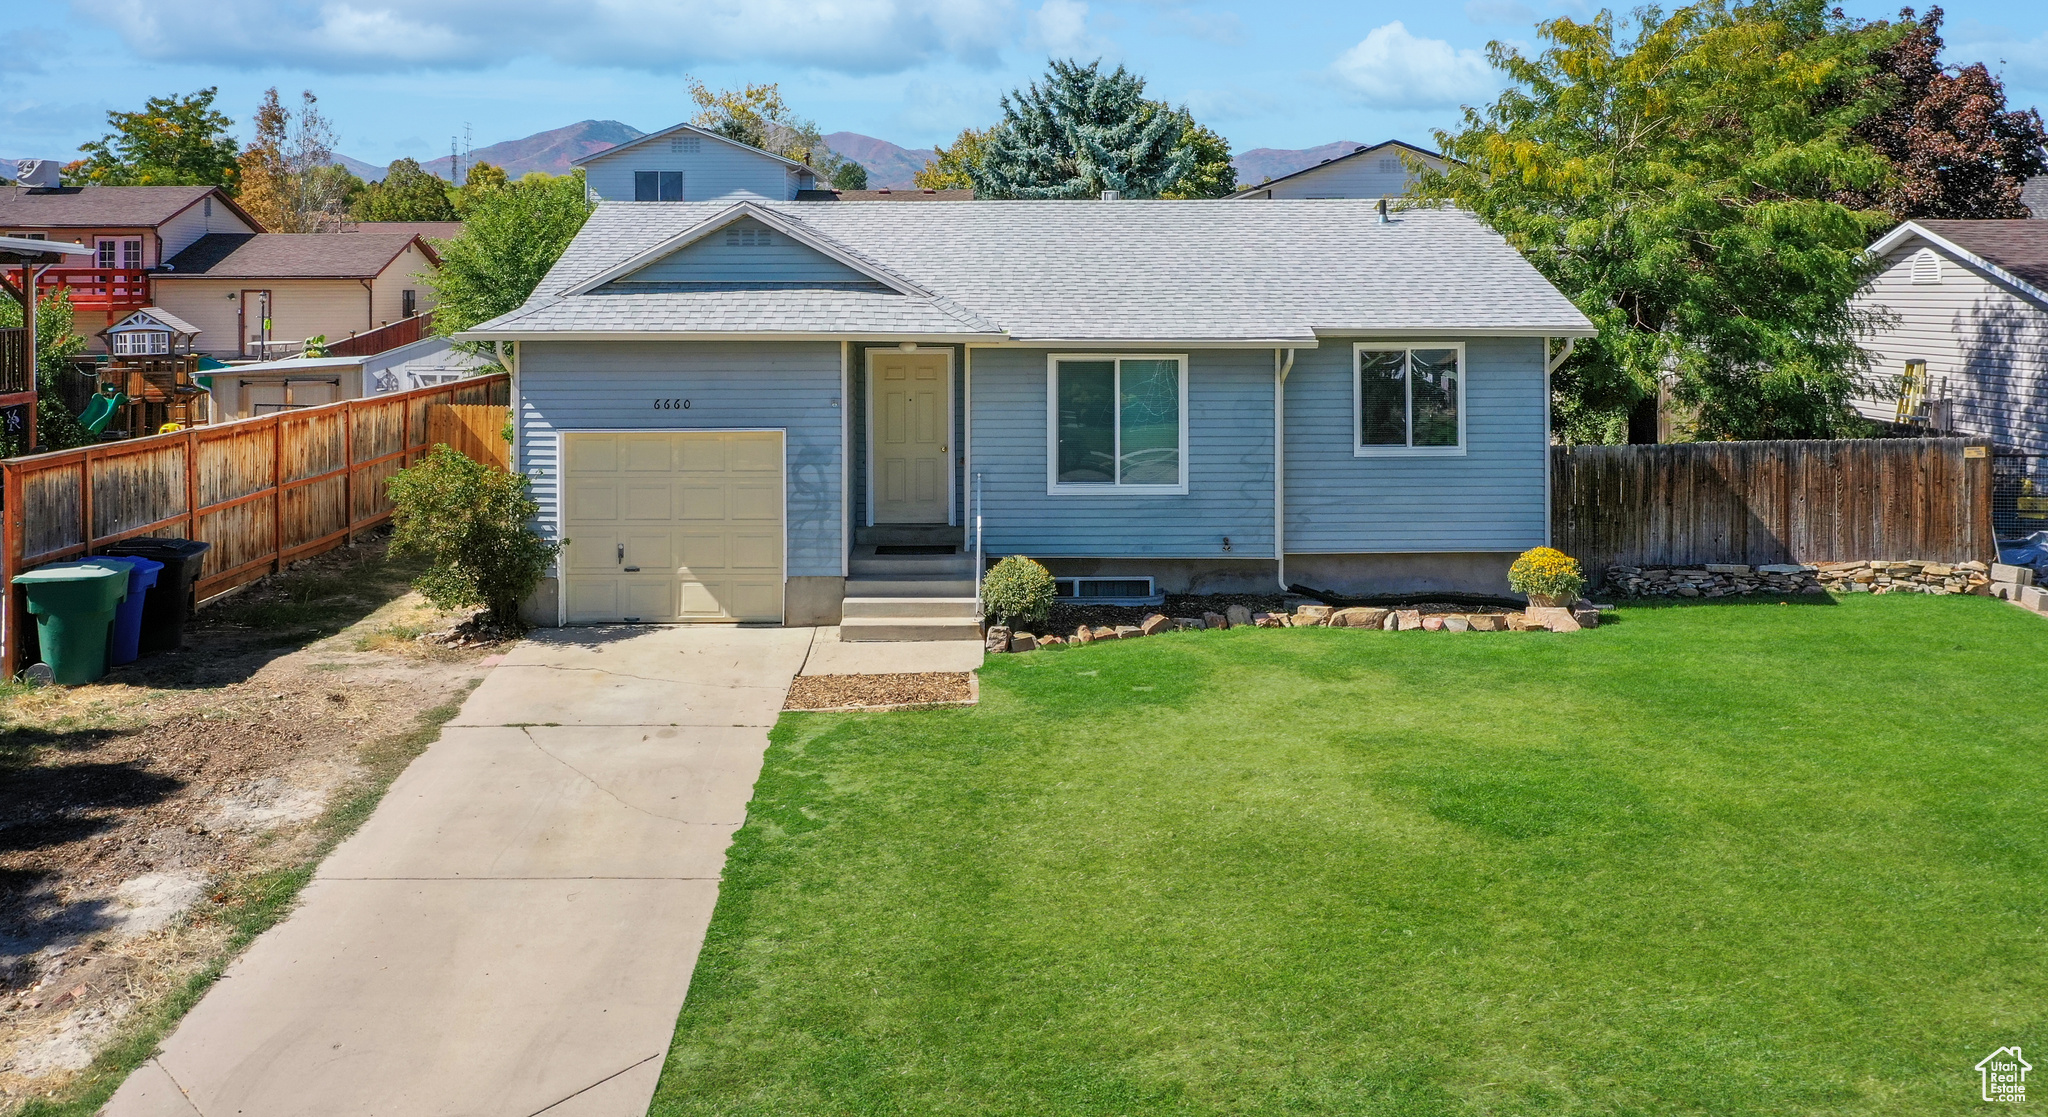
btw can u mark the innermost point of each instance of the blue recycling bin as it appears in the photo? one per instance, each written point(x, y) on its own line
point(125, 646)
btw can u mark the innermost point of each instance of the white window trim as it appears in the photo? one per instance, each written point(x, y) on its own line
point(1053, 485)
point(1358, 447)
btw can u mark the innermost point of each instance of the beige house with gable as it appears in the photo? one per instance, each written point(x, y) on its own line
point(258, 296)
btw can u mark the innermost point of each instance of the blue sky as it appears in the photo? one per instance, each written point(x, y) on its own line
point(399, 77)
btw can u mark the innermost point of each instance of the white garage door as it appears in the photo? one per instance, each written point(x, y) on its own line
point(673, 526)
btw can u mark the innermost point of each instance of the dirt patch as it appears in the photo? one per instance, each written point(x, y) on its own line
point(141, 815)
point(923, 688)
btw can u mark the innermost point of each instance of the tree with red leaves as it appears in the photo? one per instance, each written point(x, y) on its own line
point(1954, 147)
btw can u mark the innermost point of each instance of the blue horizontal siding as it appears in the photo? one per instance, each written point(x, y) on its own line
point(767, 385)
point(1490, 499)
point(712, 260)
point(715, 170)
point(1230, 467)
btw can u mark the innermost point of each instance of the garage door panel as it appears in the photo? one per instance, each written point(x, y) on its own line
point(703, 455)
point(702, 553)
point(700, 515)
point(648, 454)
point(753, 552)
point(649, 500)
point(593, 453)
point(754, 503)
point(755, 453)
point(701, 502)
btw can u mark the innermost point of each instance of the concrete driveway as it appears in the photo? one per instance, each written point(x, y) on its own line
point(513, 930)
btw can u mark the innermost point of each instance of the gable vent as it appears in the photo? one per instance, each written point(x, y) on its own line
point(683, 145)
point(749, 238)
point(1926, 266)
point(1389, 166)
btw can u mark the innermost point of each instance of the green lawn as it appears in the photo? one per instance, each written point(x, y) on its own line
point(1716, 859)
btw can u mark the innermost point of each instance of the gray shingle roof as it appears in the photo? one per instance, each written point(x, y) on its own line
point(1092, 271)
point(766, 310)
point(2019, 246)
point(289, 255)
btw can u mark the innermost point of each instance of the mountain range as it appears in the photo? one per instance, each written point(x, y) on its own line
point(889, 165)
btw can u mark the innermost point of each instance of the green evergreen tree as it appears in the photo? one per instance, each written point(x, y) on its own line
point(408, 193)
point(172, 141)
point(1082, 132)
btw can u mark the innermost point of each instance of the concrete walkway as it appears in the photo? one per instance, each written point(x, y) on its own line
point(513, 930)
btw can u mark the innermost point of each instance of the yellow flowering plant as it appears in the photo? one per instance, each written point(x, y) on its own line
point(1546, 572)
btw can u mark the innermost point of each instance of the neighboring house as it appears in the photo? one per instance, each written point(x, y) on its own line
point(1964, 344)
point(1376, 171)
point(131, 229)
point(739, 410)
point(691, 164)
point(249, 390)
point(435, 232)
point(2034, 195)
point(258, 295)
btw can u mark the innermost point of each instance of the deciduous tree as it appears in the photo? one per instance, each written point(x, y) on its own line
point(511, 236)
point(1955, 147)
point(57, 342)
point(952, 168)
point(172, 141)
point(408, 193)
point(290, 181)
point(1678, 180)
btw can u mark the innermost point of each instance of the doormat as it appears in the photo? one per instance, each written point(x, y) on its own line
point(914, 549)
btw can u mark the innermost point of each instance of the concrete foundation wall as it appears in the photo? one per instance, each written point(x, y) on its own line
point(1360, 575)
point(812, 600)
point(543, 609)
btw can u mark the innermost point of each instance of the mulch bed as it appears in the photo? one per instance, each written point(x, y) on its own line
point(837, 692)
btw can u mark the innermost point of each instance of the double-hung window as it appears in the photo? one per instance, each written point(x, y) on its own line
point(657, 186)
point(1117, 424)
point(1408, 398)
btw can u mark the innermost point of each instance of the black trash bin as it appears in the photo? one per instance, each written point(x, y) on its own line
point(172, 602)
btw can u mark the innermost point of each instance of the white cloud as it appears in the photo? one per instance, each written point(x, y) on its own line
point(851, 36)
point(2022, 64)
point(1395, 69)
point(1060, 29)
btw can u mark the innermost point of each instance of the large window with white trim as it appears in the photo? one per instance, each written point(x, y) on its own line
point(1408, 398)
point(1117, 423)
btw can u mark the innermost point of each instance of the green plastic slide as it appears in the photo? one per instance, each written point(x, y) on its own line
point(101, 410)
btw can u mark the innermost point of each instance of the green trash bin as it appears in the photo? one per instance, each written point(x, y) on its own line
point(74, 603)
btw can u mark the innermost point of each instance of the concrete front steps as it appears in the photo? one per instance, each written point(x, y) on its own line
point(913, 596)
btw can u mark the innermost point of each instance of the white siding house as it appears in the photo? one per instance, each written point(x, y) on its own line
point(1375, 171)
point(1966, 317)
point(690, 164)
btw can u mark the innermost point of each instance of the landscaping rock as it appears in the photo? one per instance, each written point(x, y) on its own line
point(1309, 616)
point(1084, 635)
point(1433, 623)
point(1023, 642)
point(1238, 614)
point(1154, 624)
point(1188, 624)
point(1357, 617)
point(1726, 568)
point(1557, 619)
point(1586, 615)
point(1269, 620)
point(1392, 622)
point(2018, 575)
point(1457, 624)
point(998, 639)
point(1104, 632)
point(1687, 591)
point(1215, 620)
point(1128, 632)
point(1488, 622)
point(1051, 642)
point(1410, 619)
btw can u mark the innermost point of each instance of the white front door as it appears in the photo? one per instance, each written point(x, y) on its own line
point(910, 401)
point(672, 526)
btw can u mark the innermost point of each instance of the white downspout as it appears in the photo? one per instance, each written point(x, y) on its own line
point(845, 459)
point(1280, 371)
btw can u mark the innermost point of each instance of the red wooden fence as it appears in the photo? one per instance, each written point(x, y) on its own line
point(265, 491)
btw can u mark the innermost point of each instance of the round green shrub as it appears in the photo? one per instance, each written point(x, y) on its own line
point(470, 522)
point(1017, 591)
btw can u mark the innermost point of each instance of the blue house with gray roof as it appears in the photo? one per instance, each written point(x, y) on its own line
point(801, 411)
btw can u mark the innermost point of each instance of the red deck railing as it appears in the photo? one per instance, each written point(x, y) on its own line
point(114, 290)
point(383, 339)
